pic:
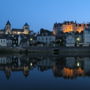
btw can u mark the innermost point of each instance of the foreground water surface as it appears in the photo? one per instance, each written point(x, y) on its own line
point(30, 72)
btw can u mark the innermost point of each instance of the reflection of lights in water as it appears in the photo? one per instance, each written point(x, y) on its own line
point(31, 64)
point(31, 39)
point(78, 64)
point(60, 40)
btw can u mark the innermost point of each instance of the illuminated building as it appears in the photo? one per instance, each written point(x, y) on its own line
point(8, 30)
point(69, 26)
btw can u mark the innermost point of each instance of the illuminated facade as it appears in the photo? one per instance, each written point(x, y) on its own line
point(9, 30)
point(69, 27)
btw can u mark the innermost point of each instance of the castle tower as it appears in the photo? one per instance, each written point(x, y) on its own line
point(8, 28)
point(26, 28)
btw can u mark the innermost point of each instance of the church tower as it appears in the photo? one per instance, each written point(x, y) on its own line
point(8, 28)
point(26, 28)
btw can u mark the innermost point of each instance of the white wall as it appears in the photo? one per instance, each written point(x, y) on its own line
point(86, 36)
point(45, 39)
point(70, 41)
point(3, 42)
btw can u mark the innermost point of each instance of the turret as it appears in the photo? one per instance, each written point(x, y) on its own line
point(8, 28)
point(26, 28)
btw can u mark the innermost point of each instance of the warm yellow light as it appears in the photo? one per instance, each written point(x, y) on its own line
point(18, 32)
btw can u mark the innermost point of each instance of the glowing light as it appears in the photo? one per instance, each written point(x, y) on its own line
point(68, 28)
point(31, 39)
point(72, 27)
point(78, 39)
point(78, 64)
point(18, 32)
point(31, 64)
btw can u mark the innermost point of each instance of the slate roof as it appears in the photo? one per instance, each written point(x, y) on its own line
point(20, 30)
point(26, 24)
point(8, 23)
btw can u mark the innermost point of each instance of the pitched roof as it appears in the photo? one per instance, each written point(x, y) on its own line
point(8, 23)
point(26, 24)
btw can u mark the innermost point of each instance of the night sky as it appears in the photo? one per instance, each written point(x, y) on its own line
point(43, 13)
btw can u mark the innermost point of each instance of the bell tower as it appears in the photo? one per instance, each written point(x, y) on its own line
point(26, 28)
point(8, 28)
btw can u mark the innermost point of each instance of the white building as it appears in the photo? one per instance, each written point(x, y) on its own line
point(3, 41)
point(70, 40)
point(86, 37)
point(46, 39)
point(45, 36)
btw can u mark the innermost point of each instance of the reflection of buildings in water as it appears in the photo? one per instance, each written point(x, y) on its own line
point(26, 71)
point(72, 73)
point(15, 63)
point(73, 67)
point(87, 64)
point(45, 64)
point(67, 67)
point(7, 72)
point(70, 62)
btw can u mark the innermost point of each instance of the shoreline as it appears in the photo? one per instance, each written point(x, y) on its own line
point(47, 50)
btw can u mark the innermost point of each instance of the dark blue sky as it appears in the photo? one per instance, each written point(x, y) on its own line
point(43, 13)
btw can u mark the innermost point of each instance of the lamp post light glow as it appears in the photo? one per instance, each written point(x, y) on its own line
point(78, 39)
point(31, 64)
point(31, 39)
point(78, 64)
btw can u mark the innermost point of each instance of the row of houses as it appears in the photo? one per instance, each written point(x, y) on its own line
point(46, 38)
point(69, 39)
point(43, 38)
point(14, 40)
point(10, 38)
point(78, 39)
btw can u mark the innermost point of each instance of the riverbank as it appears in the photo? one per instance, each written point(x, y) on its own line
point(48, 50)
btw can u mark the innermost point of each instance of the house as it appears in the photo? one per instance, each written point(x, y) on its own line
point(46, 37)
point(79, 39)
point(3, 41)
point(86, 37)
point(70, 40)
point(16, 39)
point(9, 41)
point(25, 40)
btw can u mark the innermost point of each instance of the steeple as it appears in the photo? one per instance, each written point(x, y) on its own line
point(8, 27)
point(8, 23)
point(26, 26)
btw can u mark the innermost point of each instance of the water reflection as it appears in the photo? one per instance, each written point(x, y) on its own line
point(64, 67)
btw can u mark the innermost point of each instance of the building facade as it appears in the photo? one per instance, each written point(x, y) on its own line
point(45, 36)
point(70, 40)
point(86, 37)
point(69, 26)
point(9, 30)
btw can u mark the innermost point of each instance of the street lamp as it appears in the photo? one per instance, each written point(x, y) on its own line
point(31, 39)
point(78, 64)
point(78, 39)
